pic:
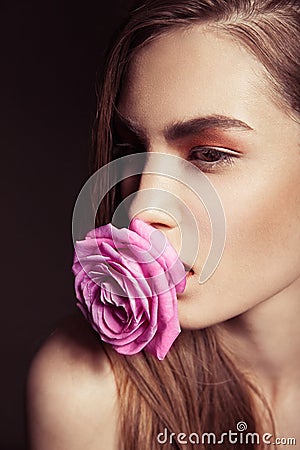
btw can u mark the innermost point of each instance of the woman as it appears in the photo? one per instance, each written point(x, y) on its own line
point(231, 68)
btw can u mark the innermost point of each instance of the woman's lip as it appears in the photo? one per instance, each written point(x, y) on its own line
point(187, 268)
point(189, 273)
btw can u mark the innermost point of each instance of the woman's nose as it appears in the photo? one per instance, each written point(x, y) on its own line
point(159, 219)
point(157, 204)
point(157, 201)
point(163, 200)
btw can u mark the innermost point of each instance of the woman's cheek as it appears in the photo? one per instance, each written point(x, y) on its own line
point(263, 227)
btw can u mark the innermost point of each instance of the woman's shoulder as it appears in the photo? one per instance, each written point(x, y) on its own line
point(73, 349)
point(72, 399)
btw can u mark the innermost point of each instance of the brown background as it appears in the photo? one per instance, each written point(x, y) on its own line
point(50, 52)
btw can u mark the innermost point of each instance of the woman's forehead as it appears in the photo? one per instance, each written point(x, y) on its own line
point(188, 73)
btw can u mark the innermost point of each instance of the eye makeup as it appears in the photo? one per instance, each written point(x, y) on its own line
point(210, 149)
point(209, 158)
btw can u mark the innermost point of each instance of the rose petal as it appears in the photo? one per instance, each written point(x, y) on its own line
point(126, 282)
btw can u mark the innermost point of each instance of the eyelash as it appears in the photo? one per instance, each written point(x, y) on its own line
point(121, 149)
point(225, 157)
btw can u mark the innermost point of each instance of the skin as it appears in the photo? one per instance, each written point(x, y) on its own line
point(71, 392)
point(254, 292)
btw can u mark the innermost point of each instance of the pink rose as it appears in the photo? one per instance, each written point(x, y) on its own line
point(126, 281)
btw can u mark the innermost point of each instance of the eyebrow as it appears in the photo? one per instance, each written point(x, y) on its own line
point(183, 129)
point(130, 124)
point(180, 130)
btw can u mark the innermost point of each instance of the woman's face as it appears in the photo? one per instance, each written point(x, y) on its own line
point(199, 73)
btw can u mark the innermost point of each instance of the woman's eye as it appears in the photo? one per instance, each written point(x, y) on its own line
point(124, 149)
point(209, 158)
point(121, 150)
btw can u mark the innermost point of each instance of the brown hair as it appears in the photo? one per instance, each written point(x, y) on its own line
point(198, 387)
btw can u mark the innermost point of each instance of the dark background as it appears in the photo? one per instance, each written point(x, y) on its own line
point(50, 53)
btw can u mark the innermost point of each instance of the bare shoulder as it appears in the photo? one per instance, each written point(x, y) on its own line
point(72, 400)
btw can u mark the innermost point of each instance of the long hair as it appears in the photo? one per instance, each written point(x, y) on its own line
point(199, 387)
